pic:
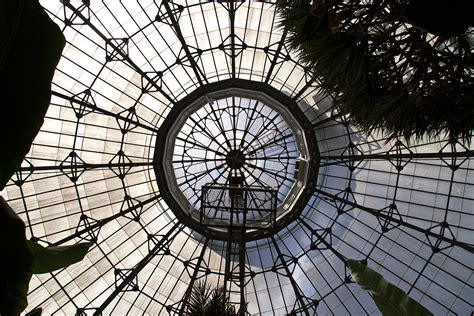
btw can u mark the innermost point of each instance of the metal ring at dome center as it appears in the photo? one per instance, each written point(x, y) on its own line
point(235, 159)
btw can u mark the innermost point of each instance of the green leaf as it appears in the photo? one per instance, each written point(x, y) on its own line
point(204, 301)
point(26, 257)
point(389, 299)
point(17, 270)
point(358, 68)
point(31, 45)
point(36, 312)
point(48, 259)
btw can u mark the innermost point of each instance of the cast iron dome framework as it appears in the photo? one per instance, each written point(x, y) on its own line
point(236, 133)
point(404, 209)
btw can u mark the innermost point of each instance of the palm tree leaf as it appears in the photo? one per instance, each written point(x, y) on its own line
point(389, 299)
point(203, 301)
point(197, 301)
point(33, 46)
point(368, 81)
point(48, 259)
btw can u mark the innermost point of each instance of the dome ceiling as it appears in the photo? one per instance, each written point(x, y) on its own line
point(406, 209)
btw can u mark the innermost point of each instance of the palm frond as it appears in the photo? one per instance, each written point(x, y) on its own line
point(204, 301)
point(357, 64)
point(198, 298)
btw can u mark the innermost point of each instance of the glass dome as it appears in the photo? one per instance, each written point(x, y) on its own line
point(407, 209)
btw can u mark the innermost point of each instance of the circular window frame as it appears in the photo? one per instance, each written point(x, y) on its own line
point(303, 131)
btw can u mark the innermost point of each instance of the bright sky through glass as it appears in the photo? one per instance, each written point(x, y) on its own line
point(399, 206)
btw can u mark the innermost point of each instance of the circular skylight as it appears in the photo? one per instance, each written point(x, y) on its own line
point(236, 157)
point(92, 173)
point(234, 139)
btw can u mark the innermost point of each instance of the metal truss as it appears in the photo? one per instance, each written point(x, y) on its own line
point(403, 209)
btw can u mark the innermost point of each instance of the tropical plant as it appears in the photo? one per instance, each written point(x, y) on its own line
point(390, 300)
point(385, 71)
point(31, 45)
point(30, 50)
point(204, 301)
point(22, 258)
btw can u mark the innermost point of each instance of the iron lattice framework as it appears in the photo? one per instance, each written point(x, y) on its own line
point(235, 138)
point(236, 133)
point(405, 210)
point(241, 207)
